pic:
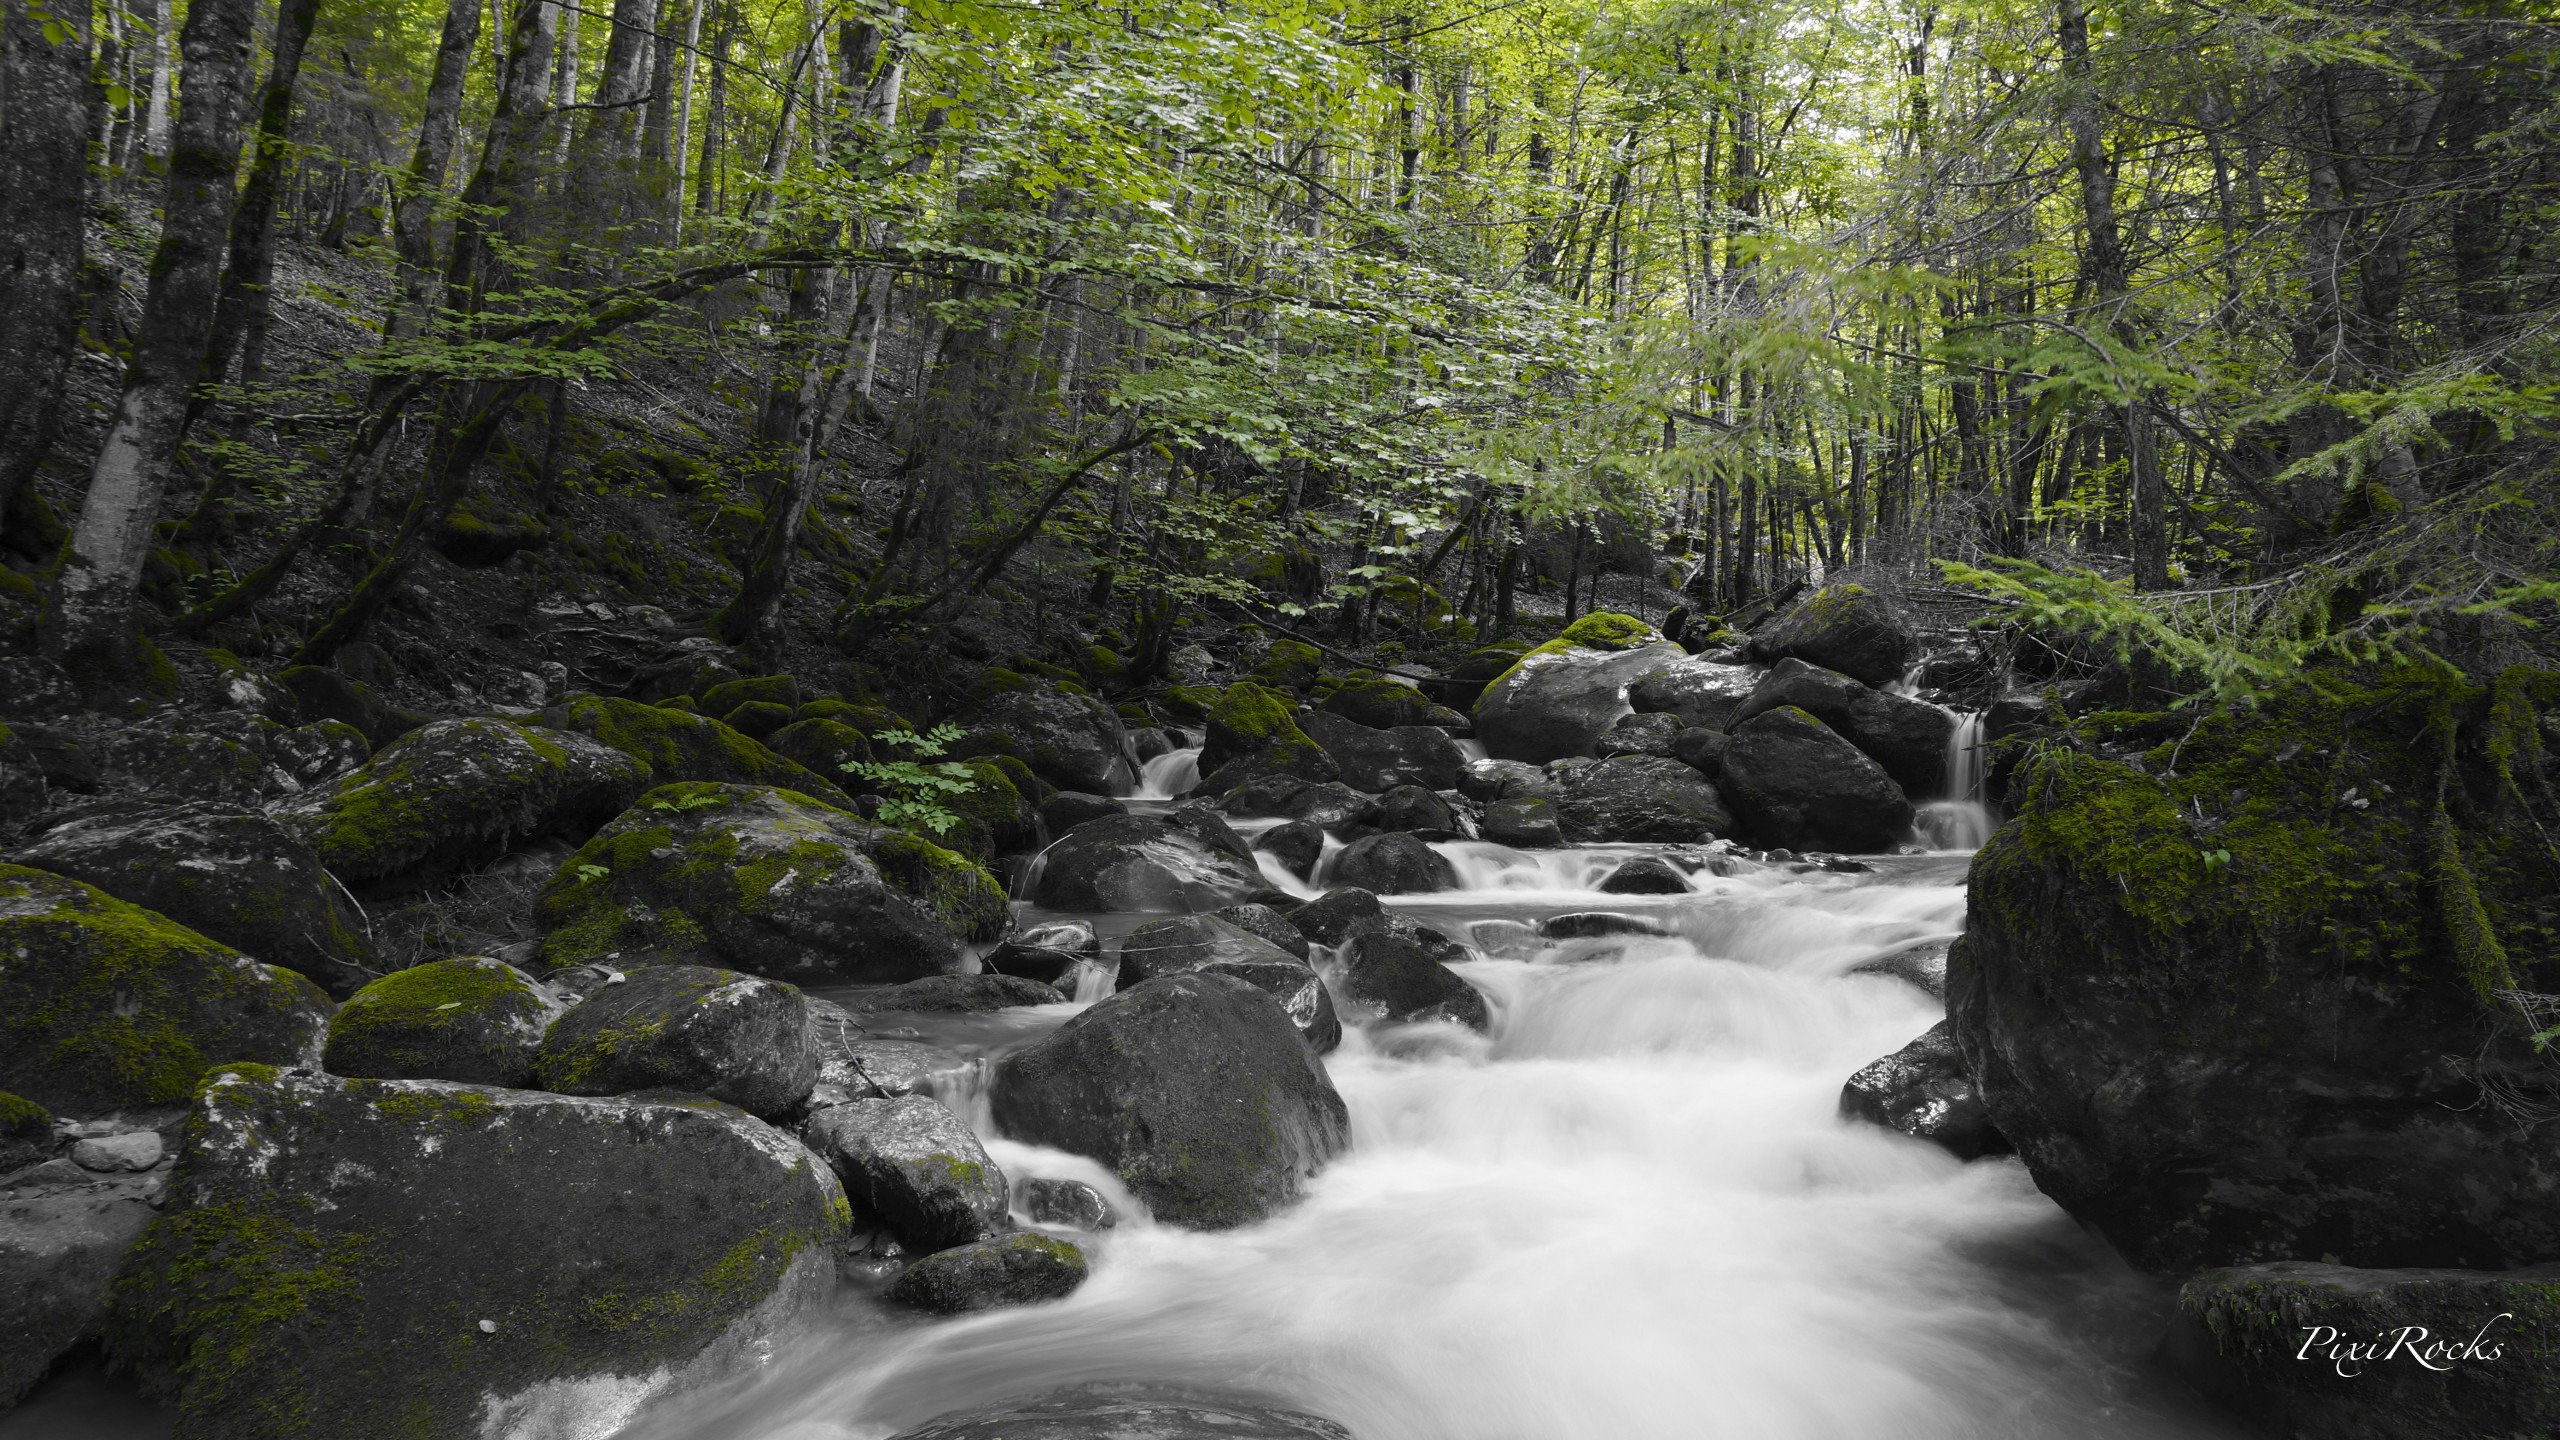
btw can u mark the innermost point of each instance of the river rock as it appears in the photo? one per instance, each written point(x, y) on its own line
point(915, 1166)
point(1380, 759)
point(105, 1005)
point(1196, 1090)
point(2216, 1061)
point(1269, 924)
point(964, 994)
point(458, 793)
point(1640, 735)
point(231, 875)
point(565, 1262)
point(130, 1153)
point(1074, 742)
point(1530, 822)
point(1795, 783)
point(1297, 845)
point(1922, 963)
point(1646, 875)
point(1924, 1091)
point(1171, 947)
point(1564, 695)
point(1506, 779)
point(1698, 693)
point(1254, 731)
point(855, 1066)
point(1411, 809)
point(1379, 702)
point(1597, 924)
point(2453, 1354)
point(1068, 809)
point(1397, 977)
point(1071, 1203)
point(1702, 750)
point(1344, 911)
point(470, 1019)
point(766, 881)
point(1843, 627)
point(1642, 798)
point(740, 1039)
point(1301, 992)
point(60, 1247)
point(1909, 739)
point(1179, 862)
point(1392, 865)
point(1049, 953)
point(1018, 1269)
point(680, 746)
point(1121, 1412)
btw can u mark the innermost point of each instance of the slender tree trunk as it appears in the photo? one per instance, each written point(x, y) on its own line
point(706, 192)
point(240, 315)
point(413, 216)
point(155, 116)
point(92, 624)
point(44, 184)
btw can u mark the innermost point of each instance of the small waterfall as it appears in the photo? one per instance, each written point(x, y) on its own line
point(1169, 776)
point(1473, 750)
point(1961, 821)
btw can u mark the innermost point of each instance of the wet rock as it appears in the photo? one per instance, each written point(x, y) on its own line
point(1254, 732)
point(1564, 695)
point(1381, 759)
point(1596, 924)
point(1909, 739)
point(1113, 1412)
point(679, 746)
point(1701, 750)
point(740, 1039)
point(1506, 939)
point(2451, 1354)
point(1048, 953)
point(1330, 806)
point(1843, 627)
point(317, 753)
point(232, 875)
point(1642, 798)
point(1269, 924)
point(1646, 875)
point(1068, 809)
point(855, 1066)
point(1071, 1203)
point(1297, 845)
point(105, 1005)
point(458, 793)
point(1924, 1091)
point(1173, 947)
point(1379, 702)
point(970, 994)
point(1641, 735)
point(470, 1019)
point(1700, 694)
point(1196, 1090)
point(1074, 742)
point(1529, 822)
point(1410, 808)
point(1344, 911)
point(766, 881)
point(60, 1246)
point(1023, 1268)
point(1144, 863)
point(1392, 865)
point(916, 1167)
point(1399, 978)
point(1795, 783)
point(60, 758)
point(128, 1153)
point(1300, 991)
point(571, 1260)
point(1506, 779)
point(1923, 964)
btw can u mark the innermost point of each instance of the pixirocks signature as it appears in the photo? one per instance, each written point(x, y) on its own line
point(2408, 1342)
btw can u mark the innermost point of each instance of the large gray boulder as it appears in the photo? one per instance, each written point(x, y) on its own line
point(1794, 782)
point(1908, 738)
point(1380, 759)
point(1924, 1091)
point(1699, 692)
point(228, 874)
point(1564, 695)
point(1196, 1090)
point(962, 994)
point(1253, 732)
point(1074, 742)
point(1213, 943)
point(1843, 627)
point(1397, 977)
point(914, 1166)
point(566, 1262)
point(1631, 798)
point(1125, 1412)
point(766, 881)
point(1018, 1269)
point(737, 1038)
point(61, 1243)
point(470, 1018)
point(1186, 861)
point(1392, 864)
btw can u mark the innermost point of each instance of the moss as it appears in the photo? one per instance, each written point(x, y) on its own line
point(1105, 665)
point(959, 894)
point(1289, 665)
point(1026, 784)
point(782, 690)
point(757, 719)
point(230, 1277)
point(1600, 630)
point(467, 1108)
point(22, 1118)
point(1188, 704)
point(680, 747)
point(681, 704)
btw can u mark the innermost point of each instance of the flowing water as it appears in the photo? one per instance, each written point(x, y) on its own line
point(1630, 1213)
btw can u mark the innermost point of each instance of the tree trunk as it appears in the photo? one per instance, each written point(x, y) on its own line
point(413, 222)
point(240, 315)
point(706, 194)
point(92, 620)
point(44, 177)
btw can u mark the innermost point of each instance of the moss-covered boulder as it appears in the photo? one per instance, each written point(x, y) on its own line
point(757, 719)
point(739, 1039)
point(470, 1019)
point(1018, 1269)
point(1073, 741)
point(1380, 702)
point(1794, 782)
point(233, 875)
point(1289, 665)
point(823, 746)
point(1699, 692)
point(962, 994)
point(1196, 1090)
point(1905, 736)
point(1188, 704)
point(1844, 627)
point(307, 694)
point(1561, 697)
point(1186, 861)
point(728, 695)
point(26, 1132)
point(1632, 798)
point(355, 1258)
point(2304, 1349)
point(2243, 986)
point(915, 1167)
point(680, 746)
point(459, 793)
point(1253, 732)
point(766, 881)
point(105, 1005)
point(1375, 760)
point(989, 818)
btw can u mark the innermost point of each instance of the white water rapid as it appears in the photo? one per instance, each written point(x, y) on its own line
point(1962, 820)
point(1169, 776)
point(1630, 1213)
